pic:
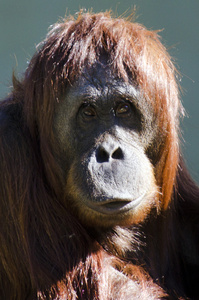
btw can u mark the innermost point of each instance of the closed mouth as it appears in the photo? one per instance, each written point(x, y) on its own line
point(115, 206)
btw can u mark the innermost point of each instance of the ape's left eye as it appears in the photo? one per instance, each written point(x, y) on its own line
point(123, 109)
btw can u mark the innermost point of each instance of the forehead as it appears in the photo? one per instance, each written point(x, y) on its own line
point(100, 81)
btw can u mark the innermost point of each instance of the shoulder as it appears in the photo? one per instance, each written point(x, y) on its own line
point(11, 122)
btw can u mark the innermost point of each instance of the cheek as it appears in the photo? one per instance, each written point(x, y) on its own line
point(64, 124)
point(62, 131)
point(65, 140)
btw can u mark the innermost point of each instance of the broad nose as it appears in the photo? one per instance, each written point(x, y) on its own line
point(106, 152)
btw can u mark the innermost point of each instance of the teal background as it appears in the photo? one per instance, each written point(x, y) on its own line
point(23, 24)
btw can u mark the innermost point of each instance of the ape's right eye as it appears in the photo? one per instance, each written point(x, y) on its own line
point(88, 111)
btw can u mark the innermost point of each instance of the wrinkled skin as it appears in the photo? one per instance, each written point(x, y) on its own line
point(104, 127)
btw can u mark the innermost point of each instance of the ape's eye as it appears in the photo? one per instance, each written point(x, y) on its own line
point(123, 109)
point(88, 111)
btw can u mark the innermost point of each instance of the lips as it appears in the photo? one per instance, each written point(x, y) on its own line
point(115, 206)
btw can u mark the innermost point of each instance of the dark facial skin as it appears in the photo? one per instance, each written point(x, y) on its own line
point(104, 128)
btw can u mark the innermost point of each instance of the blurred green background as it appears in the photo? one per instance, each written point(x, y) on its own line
point(23, 24)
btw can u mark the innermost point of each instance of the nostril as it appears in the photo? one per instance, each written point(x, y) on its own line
point(118, 154)
point(102, 155)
